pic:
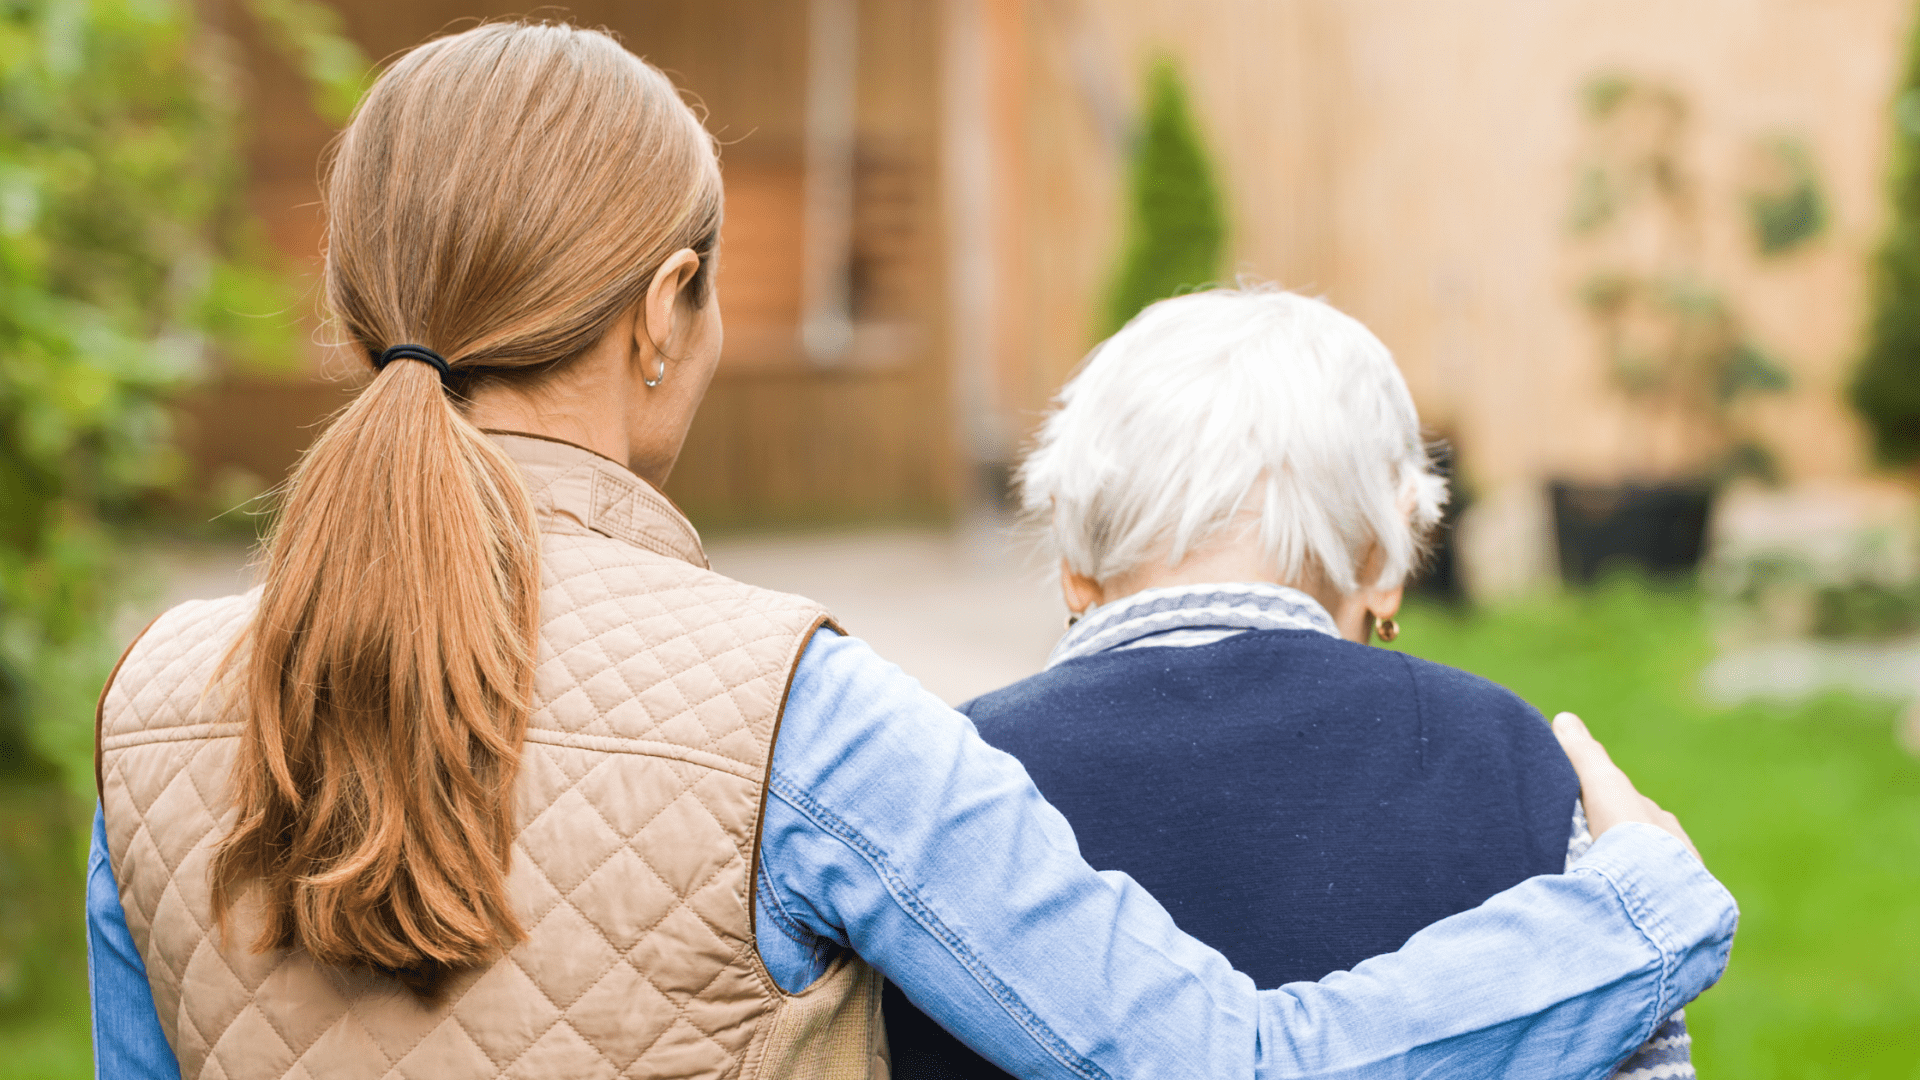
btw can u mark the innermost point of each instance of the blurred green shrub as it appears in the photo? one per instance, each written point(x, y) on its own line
point(119, 182)
point(1866, 610)
point(128, 259)
point(1176, 231)
point(1789, 209)
point(310, 32)
point(1853, 582)
point(1886, 386)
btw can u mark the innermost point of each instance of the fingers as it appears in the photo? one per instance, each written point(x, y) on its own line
point(1609, 795)
point(1670, 823)
point(1578, 742)
point(1606, 791)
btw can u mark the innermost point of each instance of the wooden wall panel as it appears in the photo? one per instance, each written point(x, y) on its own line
point(780, 438)
point(808, 447)
point(1415, 164)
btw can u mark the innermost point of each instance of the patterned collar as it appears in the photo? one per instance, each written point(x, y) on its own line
point(1187, 615)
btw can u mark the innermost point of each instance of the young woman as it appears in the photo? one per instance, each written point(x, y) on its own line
point(492, 777)
point(1235, 488)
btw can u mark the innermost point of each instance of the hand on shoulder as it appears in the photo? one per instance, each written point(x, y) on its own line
point(1606, 791)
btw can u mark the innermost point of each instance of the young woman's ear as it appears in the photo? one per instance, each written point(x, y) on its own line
point(662, 318)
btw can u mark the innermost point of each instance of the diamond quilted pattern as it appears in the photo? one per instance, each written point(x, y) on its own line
point(249, 1045)
point(629, 800)
point(448, 1050)
point(681, 956)
point(568, 840)
point(208, 977)
point(324, 1000)
point(688, 821)
point(626, 903)
point(564, 955)
point(623, 1015)
point(345, 1052)
point(179, 801)
point(146, 873)
point(563, 1051)
point(401, 1022)
point(657, 689)
point(532, 892)
point(504, 1035)
point(684, 1050)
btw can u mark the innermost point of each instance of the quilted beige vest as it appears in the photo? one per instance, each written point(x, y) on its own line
point(658, 693)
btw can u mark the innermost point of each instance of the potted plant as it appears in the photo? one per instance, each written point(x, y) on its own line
point(1674, 346)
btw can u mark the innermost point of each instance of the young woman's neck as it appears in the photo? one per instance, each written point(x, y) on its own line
point(588, 404)
point(625, 398)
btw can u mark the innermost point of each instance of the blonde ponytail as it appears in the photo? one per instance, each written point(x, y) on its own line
point(388, 684)
point(501, 197)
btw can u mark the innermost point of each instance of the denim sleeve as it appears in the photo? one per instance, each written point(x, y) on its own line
point(1668, 1054)
point(893, 830)
point(127, 1041)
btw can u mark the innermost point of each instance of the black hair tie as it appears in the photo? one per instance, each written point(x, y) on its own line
point(414, 352)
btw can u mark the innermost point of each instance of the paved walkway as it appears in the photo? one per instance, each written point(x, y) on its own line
point(1794, 671)
point(962, 611)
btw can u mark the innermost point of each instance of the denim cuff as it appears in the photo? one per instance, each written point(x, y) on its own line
point(1680, 908)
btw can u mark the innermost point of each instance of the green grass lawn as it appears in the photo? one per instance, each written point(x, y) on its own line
point(43, 1004)
point(50, 1039)
point(1810, 815)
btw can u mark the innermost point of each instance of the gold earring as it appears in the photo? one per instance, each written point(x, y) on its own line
point(1387, 629)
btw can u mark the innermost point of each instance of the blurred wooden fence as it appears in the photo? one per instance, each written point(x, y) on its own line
point(784, 436)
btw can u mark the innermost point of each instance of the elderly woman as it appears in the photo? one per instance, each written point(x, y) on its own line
point(1236, 489)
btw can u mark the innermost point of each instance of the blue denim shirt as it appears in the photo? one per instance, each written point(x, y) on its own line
point(891, 829)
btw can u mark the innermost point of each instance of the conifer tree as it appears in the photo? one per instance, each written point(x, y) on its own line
point(1886, 388)
point(1175, 230)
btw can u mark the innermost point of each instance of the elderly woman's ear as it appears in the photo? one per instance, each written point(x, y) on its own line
point(1079, 591)
point(1365, 612)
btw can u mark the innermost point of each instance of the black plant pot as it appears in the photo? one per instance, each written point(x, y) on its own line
point(1438, 577)
point(1661, 528)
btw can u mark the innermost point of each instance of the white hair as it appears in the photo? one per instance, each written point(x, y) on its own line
point(1238, 401)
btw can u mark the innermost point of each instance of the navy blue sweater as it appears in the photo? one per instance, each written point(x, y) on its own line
point(1297, 801)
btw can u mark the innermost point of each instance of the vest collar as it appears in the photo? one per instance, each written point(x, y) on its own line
point(572, 483)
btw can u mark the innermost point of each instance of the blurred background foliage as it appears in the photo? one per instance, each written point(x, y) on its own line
point(130, 264)
point(118, 181)
point(1175, 234)
point(1676, 343)
point(1886, 388)
point(1788, 209)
